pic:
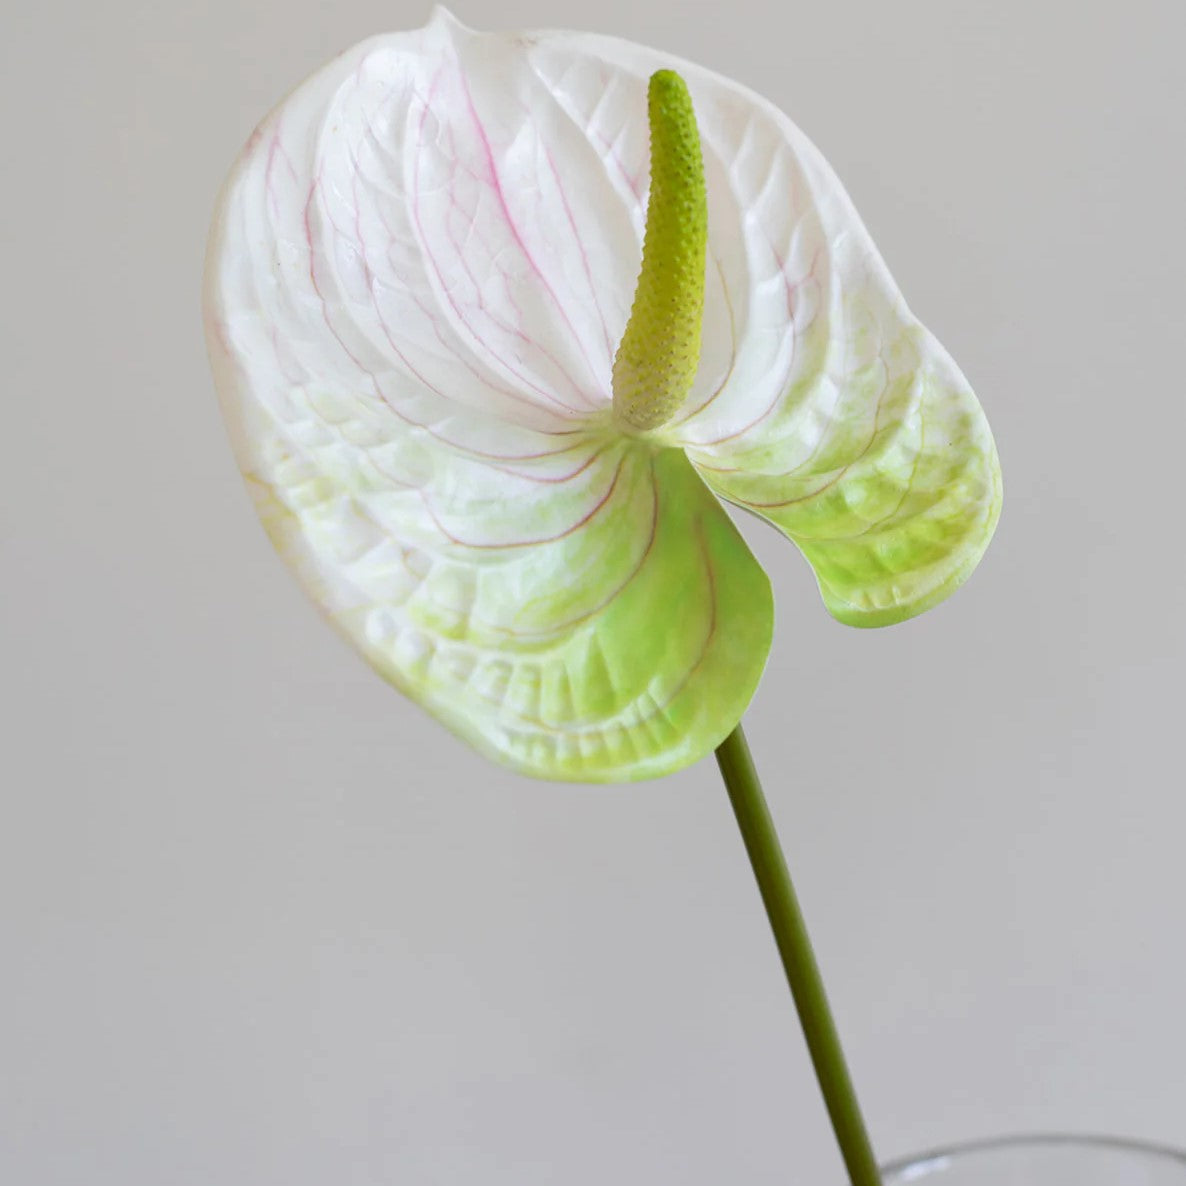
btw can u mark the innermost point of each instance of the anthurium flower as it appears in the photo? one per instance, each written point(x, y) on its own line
point(421, 273)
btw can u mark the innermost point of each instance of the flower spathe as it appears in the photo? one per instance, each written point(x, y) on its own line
point(420, 270)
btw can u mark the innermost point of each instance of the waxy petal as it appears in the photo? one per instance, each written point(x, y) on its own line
point(860, 438)
point(415, 282)
point(821, 403)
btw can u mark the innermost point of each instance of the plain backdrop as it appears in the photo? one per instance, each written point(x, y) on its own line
point(263, 923)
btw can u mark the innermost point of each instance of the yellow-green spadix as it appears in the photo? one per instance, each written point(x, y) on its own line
point(660, 351)
point(421, 271)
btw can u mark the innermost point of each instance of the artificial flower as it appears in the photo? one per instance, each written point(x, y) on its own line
point(420, 272)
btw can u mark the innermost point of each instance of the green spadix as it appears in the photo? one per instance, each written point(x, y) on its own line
point(660, 350)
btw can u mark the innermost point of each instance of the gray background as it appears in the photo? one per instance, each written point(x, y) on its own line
point(265, 924)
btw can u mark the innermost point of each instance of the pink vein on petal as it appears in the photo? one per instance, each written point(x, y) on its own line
point(355, 174)
point(415, 205)
point(504, 325)
point(528, 543)
point(429, 315)
point(618, 589)
point(512, 225)
point(609, 345)
point(796, 332)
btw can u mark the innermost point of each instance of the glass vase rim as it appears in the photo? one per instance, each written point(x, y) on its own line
point(1036, 1140)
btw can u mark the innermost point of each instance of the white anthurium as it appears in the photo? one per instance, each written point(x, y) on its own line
point(421, 270)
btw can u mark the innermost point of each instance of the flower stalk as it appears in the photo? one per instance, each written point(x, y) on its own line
point(798, 958)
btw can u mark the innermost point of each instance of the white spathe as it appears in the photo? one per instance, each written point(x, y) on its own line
point(418, 275)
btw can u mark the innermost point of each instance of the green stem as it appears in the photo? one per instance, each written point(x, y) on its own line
point(794, 946)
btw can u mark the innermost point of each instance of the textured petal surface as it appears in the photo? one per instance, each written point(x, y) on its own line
point(416, 280)
point(821, 403)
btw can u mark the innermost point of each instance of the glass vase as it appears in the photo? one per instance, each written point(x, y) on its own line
point(1044, 1161)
